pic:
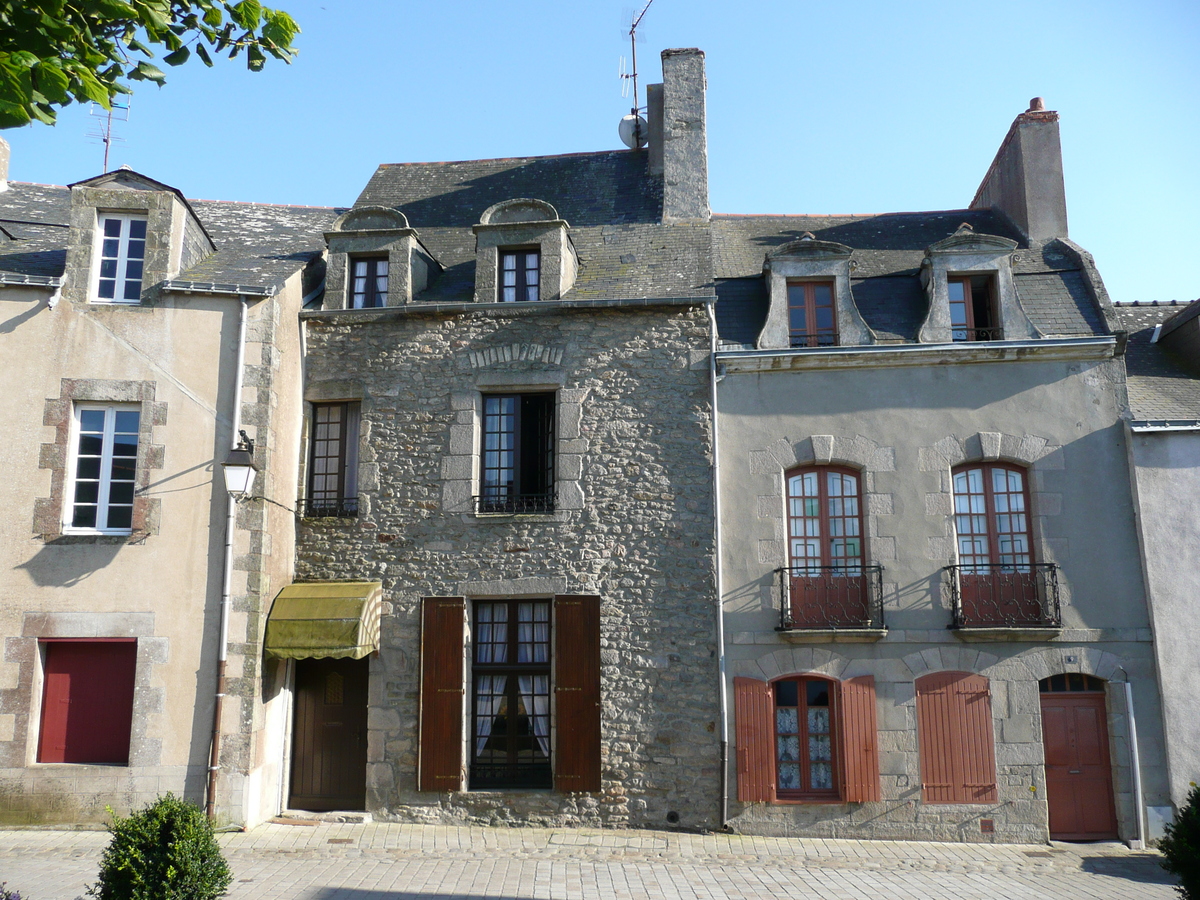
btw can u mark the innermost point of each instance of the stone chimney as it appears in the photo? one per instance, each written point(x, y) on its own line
point(4, 152)
point(678, 144)
point(1025, 180)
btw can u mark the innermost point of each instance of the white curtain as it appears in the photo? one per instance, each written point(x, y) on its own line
point(489, 697)
point(535, 694)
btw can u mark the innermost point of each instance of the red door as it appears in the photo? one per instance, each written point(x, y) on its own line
point(1078, 776)
point(87, 703)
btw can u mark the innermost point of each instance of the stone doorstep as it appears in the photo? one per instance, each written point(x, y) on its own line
point(333, 817)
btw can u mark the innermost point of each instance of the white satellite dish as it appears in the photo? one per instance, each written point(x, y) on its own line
point(633, 131)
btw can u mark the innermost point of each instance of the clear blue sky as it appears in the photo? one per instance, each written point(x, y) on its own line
point(842, 107)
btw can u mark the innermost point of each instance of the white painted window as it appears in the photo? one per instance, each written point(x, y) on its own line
point(120, 257)
point(103, 464)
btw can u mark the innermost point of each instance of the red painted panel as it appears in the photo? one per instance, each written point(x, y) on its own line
point(860, 747)
point(957, 746)
point(754, 732)
point(87, 703)
point(439, 760)
point(577, 693)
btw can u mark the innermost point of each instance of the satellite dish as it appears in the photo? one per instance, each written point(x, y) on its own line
point(633, 131)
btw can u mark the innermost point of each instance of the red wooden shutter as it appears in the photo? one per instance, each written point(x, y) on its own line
point(577, 693)
point(954, 728)
point(439, 756)
point(860, 743)
point(754, 732)
point(87, 702)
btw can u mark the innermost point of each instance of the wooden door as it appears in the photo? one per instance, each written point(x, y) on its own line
point(1078, 775)
point(329, 746)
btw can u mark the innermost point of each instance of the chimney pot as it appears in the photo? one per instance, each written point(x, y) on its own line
point(1037, 104)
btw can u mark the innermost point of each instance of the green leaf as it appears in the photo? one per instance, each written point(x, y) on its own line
point(178, 58)
point(247, 14)
point(147, 72)
point(24, 58)
point(202, 52)
point(255, 58)
point(52, 83)
point(43, 113)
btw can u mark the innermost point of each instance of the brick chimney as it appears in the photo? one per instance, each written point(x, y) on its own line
point(1025, 180)
point(678, 144)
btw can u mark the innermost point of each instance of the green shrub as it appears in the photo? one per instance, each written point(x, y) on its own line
point(1181, 847)
point(165, 852)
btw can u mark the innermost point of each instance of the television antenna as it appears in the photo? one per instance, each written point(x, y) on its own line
point(633, 123)
point(103, 127)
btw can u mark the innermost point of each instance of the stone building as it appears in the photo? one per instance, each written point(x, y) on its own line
point(1163, 363)
point(928, 562)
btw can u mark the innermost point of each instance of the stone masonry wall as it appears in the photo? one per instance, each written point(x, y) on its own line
point(637, 531)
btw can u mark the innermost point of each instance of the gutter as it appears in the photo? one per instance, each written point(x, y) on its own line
point(1160, 425)
point(214, 763)
point(1135, 761)
point(32, 280)
point(722, 693)
point(215, 287)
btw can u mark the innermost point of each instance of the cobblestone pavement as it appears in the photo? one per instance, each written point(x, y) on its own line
point(402, 862)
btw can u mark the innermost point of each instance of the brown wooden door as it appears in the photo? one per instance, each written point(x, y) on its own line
point(1078, 776)
point(329, 749)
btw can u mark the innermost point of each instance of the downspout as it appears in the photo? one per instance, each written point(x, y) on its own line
point(227, 579)
point(1135, 761)
point(722, 693)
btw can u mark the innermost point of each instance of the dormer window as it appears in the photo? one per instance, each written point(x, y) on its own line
point(369, 282)
point(973, 313)
point(519, 275)
point(812, 317)
point(122, 257)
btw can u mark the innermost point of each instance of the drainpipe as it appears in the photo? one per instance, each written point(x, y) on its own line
point(722, 693)
point(227, 580)
point(1135, 761)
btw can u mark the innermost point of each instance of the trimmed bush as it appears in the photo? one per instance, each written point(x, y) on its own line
point(165, 852)
point(1181, 847)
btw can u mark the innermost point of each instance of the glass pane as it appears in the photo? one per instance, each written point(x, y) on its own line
point(787, 748)
point(85, 517)
point(90, 445)
point(137, 229)
point(137, 250)
point(787, 720)
point(823, 295)
point(127, 421)
point(789, 777)
point(87, 491)
point(91, 419)
point(112, 227)
point(88, 467)
point(822, 776)
point(785, 693)
point(120, 492)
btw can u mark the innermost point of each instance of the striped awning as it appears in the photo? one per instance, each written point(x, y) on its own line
point(325, 619)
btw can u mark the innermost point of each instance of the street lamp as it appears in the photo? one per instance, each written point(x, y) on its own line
point(239, 468)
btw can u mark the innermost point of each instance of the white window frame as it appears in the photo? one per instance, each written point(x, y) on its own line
point(105, 479)
point(126, 220)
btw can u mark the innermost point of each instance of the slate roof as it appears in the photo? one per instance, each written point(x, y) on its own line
point(613, 208)
point(1163, 385)
point(887, 253)
point(257, 244)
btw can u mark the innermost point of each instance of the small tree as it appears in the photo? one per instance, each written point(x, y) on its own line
point(1181, 847)
point(165, 852)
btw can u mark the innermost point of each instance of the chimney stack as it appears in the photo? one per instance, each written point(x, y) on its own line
point(1025, 180)
point(678, 143)
point(4, 153)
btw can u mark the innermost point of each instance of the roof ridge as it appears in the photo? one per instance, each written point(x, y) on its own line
point(454, 162)
point(259, 203)
point(870, 215)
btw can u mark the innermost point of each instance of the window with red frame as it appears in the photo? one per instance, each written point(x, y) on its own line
point(991, 518)
point(812, 320)
point(805, 763)
point(973, 315)
point(825, 525)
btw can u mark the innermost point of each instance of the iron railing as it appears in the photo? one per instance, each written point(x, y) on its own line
point(514, 503)
point(961, 333)
point(329, 507)
point(814, 339)
point(830, 597)
point(996, 595)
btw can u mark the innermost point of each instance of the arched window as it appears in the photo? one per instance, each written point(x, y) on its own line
point(991, 518)
point(825, 524)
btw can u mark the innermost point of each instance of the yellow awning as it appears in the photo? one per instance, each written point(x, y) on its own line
point(325, 619)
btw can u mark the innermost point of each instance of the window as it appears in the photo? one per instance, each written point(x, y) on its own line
point(811, 318)
point(954, 733)
point(991, 520)
point(510, 744)
point(519, 275)
point(368, 282)
point(333, 464)
point(518, 653)
point(806, 738)
point(517, 453)
point(104, 463)
point(122, 254)
point(829, 586)
point(87, 701)
point(973, 309)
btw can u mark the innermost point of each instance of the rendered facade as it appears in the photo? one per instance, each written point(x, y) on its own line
point(575, 504)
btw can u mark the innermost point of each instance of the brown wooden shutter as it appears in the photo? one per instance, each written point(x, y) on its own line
point(754, 732)
point(577, 693)
point(954, 727)
point(439, 757)
point(860, 742)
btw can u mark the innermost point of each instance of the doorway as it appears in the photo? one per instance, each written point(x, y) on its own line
point(329, 742)
point(1079, 790)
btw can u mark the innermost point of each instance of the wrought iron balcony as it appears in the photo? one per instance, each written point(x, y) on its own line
point(329, 507)
point(514, 503)
point(830, 598)
point(960, 333)
point(995, 595)
point(814, 339)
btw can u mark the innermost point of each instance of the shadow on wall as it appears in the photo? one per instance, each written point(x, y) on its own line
point(64, 563)
point(10, 324)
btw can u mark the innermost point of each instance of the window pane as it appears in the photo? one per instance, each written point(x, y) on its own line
point(126, 421)
point(112, 228)
point(137, 229)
